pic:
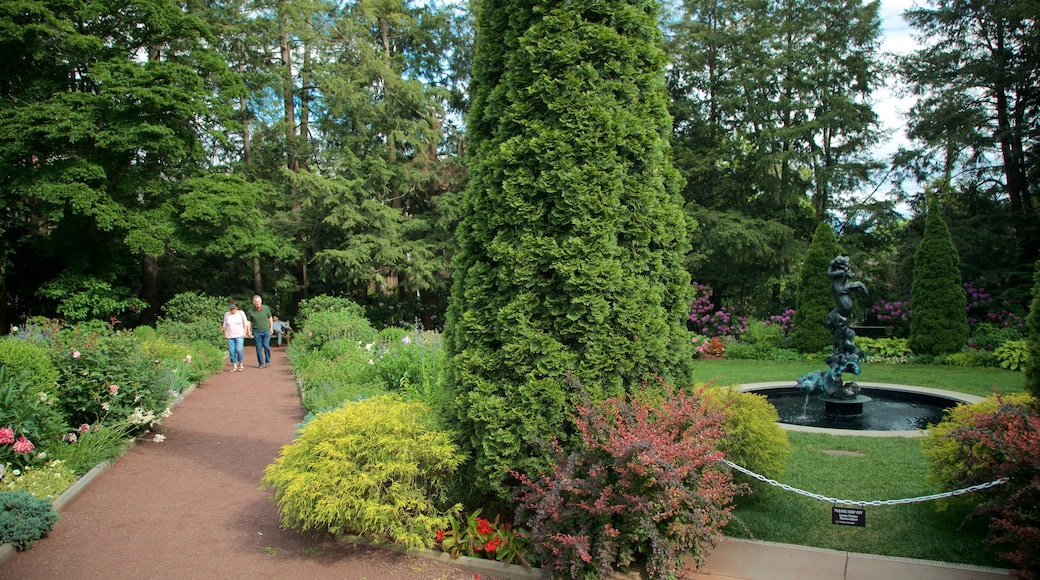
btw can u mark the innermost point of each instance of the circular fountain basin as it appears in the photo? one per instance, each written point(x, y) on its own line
point(892, 410)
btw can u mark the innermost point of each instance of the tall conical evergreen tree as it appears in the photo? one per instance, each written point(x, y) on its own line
point(569, 282)
point(938, 320)
point(1032, 366)
point(813, 300)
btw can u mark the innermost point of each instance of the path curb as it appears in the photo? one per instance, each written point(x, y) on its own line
point(479, 565)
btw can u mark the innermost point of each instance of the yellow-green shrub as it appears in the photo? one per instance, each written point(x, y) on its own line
point(373, 468)
point(46, 481)
point(751, 436)
point(942, 450)
point(22, 355)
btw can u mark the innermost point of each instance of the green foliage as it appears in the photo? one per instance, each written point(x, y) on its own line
point(989, 336)
point(884, 350)
point(335, 358)
point(476, 537)
point(374, 468)
point(90, 363)
point(572, 233)
point(939, 323)
point(412, 363)
point(814, 298)
point(969, 357)
point(83, 298)
point(751, 434)
point(34, 415)
point(761, 342)
point(1012, 354)
point(644, 486)
point(24, 518)
point(91, 446)
point(191, 317)
point(947, 465)
point(22, 355)
point(1032, 360)
point(325, 303)
point(196, 360)
point(1004, 444)
point(327, 326)
point(47, 481)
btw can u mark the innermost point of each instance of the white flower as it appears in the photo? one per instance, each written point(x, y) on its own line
point(159, 438)
point(406, 340)
point(371, 362)
point(141, 417)
point(369, 346)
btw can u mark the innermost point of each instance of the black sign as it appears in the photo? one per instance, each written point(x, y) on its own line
point(849, 517)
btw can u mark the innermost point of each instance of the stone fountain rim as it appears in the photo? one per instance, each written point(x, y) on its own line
point(945, 394)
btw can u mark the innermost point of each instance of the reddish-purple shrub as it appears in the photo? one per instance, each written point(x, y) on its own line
point(645, 486)
point(1006, 444)
point(705, 319)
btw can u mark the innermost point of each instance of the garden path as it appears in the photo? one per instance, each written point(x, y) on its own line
point(191, 506)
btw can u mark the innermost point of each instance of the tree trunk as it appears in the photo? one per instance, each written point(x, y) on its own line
point(150, 289)
point(258, 283)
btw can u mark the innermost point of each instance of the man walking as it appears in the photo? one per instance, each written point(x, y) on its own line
point(260, 318)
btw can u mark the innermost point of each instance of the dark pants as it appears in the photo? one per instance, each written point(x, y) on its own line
point(262, 339)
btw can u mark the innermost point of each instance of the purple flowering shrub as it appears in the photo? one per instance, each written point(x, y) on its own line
point(981, 310)
point(784, 321)
point(990, 326)
point(894, 316)
point(706, 320)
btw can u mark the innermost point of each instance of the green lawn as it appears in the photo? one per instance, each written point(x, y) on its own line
point(981, 381)
point(876, 469)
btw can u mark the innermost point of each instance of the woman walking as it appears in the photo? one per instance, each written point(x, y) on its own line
point(235, 328)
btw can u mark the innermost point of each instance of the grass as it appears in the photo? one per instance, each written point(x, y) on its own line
point(885, 468)
point(981, 381)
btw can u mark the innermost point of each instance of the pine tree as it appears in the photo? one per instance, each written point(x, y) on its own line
point(814, 299)
point(569, 281)
point(1032, 366)
point(938, 320)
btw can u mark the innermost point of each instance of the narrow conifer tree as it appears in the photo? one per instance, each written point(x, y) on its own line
point(938, 319)
point(569, 282)
point(1032, 363)
point(813, 299)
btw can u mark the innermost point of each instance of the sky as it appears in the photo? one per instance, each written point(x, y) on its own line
point(887, 104)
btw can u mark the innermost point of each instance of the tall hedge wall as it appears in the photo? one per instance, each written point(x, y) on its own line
point(569, 282)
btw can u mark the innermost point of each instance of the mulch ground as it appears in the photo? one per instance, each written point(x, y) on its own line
point(191, 506)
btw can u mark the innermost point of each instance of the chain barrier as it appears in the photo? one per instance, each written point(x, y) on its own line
point(875, 502)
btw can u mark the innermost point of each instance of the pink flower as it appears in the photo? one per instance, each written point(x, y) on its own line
point(187, 358)
point(70, 437)
point(114, 389)
point(6, 436)
point(23, 445)
point(75, 353)
point(84, 428)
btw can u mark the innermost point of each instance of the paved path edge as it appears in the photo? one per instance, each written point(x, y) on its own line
point(66, 497)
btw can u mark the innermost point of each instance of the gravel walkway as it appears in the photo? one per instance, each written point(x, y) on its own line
point(191, 506)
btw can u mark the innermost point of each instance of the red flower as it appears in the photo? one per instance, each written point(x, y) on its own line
point(6, 436)
point(23, 445)
point(493, 545)
point(484, 526)
point(440, 536)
